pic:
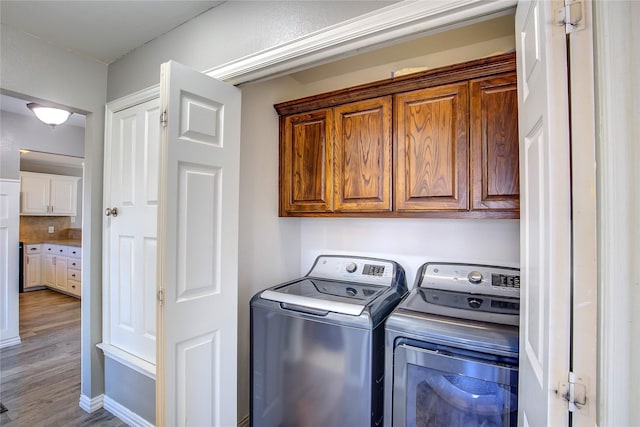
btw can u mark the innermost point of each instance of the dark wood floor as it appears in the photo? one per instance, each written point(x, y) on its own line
point(40, 378)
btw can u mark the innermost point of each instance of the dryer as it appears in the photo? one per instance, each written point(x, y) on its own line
point(452, 348)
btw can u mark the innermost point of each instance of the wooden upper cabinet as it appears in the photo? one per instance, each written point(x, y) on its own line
point(306, 163)
point(438, 143)
point(432, 149)
point(362, 156)
point(494, 143)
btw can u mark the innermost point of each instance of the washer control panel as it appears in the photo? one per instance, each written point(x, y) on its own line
point(470, 278)
point(355, 269)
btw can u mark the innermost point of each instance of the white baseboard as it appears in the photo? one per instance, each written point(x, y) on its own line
point(89, 404)
point(10, 341)
point(125, 414)
point(244, 422)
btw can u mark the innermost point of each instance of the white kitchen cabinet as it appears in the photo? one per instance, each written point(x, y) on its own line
point(61, 272)
point(32, 266)
point(48, 195)
point(49, 269)
point(62, 268)
point(74, 275)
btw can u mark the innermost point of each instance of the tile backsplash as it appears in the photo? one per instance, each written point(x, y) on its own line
point(37, 228)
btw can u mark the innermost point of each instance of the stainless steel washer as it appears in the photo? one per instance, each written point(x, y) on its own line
point(452, 348)
point(317, 344)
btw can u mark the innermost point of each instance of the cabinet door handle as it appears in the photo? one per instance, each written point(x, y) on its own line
point(111, 212)
point(33, 249)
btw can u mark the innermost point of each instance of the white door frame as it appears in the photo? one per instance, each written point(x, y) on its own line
point(617, 131)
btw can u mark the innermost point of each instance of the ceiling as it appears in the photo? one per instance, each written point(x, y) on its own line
point(96, 29)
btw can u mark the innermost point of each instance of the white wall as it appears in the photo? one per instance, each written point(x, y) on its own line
point(42, 72)
point(228, 32)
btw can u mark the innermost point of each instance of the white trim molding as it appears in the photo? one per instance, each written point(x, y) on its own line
point(125, 414)
point(129, 360)
point(392, 24)
point(617, 110)
point(91, 404)
point(9, 274)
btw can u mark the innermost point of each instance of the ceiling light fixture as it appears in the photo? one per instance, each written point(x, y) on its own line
point(49, 115)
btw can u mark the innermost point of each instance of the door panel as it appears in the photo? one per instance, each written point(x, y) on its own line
point(545, 236)
point(132, 261)
point(197, 250)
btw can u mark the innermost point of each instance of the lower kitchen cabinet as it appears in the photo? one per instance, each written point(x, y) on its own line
point(32, 266)
point(61, 268)
point(61, 272)
point(49, 270)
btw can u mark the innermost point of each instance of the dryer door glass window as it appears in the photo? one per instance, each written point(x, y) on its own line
point(433, 388)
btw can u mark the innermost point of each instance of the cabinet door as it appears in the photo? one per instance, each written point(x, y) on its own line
point(63, 196)
point(432, 149)
point(33, 270)
point(362, 156)
point(494, 143)
point(49, 270)
point(61, 272)
point(306, 168)
point(34, 194)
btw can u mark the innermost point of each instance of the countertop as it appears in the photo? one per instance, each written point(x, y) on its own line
point(65, 242)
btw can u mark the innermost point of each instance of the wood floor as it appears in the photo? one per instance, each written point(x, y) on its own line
point(40, 378)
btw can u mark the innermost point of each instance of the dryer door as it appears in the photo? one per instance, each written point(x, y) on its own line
point(447, 386)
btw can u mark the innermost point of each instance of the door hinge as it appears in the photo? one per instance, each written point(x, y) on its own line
point(163, 119)
point(571, 16)
point(160, 296)
point(574, 392)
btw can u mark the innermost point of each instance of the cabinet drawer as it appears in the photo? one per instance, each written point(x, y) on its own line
point(50, 249)
point(73, 263)
point(32, 249)
point(73, 274)
point(74, 252)
point(74, 287)
point(61, 250)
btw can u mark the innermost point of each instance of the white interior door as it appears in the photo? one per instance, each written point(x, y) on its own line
point(132, 188)
point(198, 250)
point(545, 213)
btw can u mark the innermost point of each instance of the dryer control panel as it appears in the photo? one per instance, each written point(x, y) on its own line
point(470, 278)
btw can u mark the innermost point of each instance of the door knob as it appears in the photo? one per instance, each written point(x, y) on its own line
point(111, 212)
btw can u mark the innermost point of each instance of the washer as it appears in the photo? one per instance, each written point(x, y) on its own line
point(317, 344)
point(452, 348)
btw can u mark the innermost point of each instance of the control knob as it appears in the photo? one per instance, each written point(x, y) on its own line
point(475, 277)
point(474, 302)
point(351, 267)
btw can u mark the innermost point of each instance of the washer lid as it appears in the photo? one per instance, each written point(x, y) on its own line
point(338, 297)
